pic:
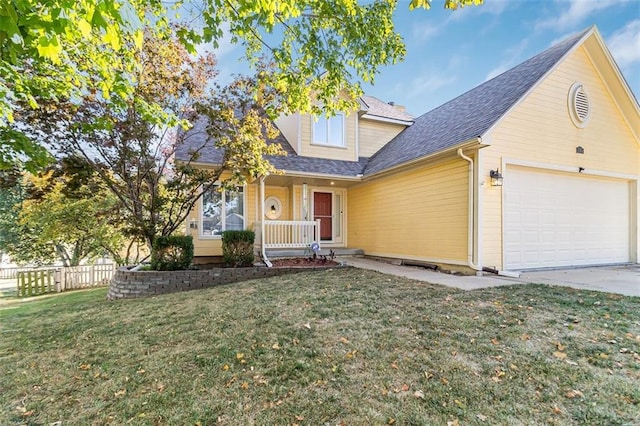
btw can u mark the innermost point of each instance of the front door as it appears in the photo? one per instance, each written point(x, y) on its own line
point(323, 210)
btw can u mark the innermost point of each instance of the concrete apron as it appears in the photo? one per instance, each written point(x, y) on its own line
point(611, 279)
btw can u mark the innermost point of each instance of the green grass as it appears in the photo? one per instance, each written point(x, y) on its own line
point(342, 346)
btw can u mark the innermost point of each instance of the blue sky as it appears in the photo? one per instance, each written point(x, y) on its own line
point(450, 52)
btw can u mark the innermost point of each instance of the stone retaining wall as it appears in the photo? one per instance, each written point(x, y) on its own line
point(129, 284)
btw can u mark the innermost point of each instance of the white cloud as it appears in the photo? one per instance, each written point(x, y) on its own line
point(495, 7)
point(574, 12)
point(430, 82)
point(625, 44)
point(425, 31)
point(513, 55)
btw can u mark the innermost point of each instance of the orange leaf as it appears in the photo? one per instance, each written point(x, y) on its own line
point(244, 385)
point(405, 388)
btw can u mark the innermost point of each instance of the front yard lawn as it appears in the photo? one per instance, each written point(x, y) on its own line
point(344, 346)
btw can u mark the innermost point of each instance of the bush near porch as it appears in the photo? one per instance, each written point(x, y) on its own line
point(342, 346)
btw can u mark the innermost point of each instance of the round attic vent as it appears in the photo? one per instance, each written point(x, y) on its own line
point(579, 105)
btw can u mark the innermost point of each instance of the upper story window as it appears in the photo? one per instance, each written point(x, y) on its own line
point(221, 211)
point(329, 130)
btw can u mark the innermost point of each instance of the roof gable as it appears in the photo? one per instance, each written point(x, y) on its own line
point(471, 114)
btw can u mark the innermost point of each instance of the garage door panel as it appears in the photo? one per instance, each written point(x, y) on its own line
point(560, 219)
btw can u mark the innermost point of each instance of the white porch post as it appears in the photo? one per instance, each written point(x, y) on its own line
point(262, 227)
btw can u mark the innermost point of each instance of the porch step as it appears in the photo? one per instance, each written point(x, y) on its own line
point(275, 253)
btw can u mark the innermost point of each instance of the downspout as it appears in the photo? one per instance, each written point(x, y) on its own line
point(263, 250)
point(471, 229)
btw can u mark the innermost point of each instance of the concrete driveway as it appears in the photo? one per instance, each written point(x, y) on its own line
point(611, 279)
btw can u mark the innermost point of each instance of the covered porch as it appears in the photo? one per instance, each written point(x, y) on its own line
point(293, 212)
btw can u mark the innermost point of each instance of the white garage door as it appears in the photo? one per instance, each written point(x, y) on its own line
point(558, 219)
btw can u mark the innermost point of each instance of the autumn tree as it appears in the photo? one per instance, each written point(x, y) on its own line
point(62, 50)
point(133, 154)
point(63, 214)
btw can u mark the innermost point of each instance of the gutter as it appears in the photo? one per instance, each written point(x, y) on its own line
point(467, 144)
point(471, 228)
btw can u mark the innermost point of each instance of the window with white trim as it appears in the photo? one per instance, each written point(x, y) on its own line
point(221, 211)
point(329, 130)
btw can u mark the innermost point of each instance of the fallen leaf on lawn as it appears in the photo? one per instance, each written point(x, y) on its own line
point(571, 362)
point(307, 325)
point(351, 354)
point(453, 423)
point(141, 371)
point(394, 365)
point(444, 381)
point(160, 387)
point(85, 366)
point(391, 421)
point(275, 346)
point(560, 355)
point(494, 341)
point(513, 367)
point(525, 337)
point(239, 355)
point(428, 375)
point(603, 355)
point(120, 393)
point(344, 340)
point(481, 417)
point(405, 388)
point(560, 347)
point(556, 410)
point(573, 394)
point(27, 413)
point(225, 367)
point(299, 418)
point(419, 394)
point(244, 385)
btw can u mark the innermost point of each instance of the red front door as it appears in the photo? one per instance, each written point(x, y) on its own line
point(323, 210)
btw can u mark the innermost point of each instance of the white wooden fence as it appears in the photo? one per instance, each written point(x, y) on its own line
point(35, 281)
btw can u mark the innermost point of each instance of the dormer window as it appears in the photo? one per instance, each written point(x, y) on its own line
point(329, 130)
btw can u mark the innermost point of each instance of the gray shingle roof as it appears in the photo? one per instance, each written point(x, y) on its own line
point(469, 115)
point(466, 117)
point(197, 140)
point(376, 107)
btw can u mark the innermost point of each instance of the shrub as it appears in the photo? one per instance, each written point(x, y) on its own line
point(172, 253)
point(237, 248)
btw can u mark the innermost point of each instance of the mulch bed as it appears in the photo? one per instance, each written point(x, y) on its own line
point(300, 261)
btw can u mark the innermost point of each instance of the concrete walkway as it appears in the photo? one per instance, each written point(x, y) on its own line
point(612, 279)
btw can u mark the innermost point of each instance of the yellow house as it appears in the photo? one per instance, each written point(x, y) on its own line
point(538, 167)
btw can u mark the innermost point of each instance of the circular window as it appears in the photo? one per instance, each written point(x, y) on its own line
point(272, 207)
point(579, 105)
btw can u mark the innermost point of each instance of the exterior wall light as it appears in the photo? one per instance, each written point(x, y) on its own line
point(193, 224)
point(496, 177)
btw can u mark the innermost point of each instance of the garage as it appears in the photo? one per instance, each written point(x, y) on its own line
point(556, 219)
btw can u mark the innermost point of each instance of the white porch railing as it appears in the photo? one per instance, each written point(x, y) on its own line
point(288, 233)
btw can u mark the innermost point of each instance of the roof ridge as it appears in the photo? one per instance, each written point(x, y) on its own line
point(472, 113)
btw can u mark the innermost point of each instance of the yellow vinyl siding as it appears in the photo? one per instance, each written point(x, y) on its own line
point(540, 130)
point(283, 194)
point(419, 214)
point(374, 134)
point(348, 152)
point(288, 125)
